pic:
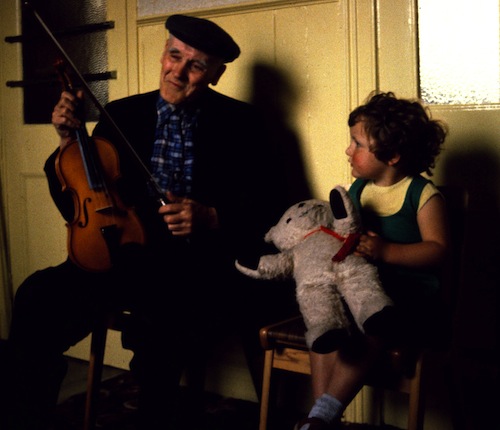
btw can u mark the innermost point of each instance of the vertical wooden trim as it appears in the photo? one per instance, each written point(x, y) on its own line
point(6, 295)
point(363, 50)
point(132, 54)
point(397, 46)
point(122, 45)
point(363, 65)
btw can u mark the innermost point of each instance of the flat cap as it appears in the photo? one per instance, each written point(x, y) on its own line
point(203, 35)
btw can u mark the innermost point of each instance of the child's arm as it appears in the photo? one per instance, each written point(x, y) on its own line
point(430, 252)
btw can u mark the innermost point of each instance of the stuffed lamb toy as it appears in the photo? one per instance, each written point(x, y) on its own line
point(316, 241)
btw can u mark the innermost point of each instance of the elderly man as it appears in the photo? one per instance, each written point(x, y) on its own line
point(209, 156)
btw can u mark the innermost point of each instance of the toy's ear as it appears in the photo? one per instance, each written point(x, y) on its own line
point(337, 204)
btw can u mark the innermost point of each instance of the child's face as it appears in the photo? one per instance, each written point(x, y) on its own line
point(363, 162)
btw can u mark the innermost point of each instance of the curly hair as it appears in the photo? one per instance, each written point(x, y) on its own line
point(401, 127)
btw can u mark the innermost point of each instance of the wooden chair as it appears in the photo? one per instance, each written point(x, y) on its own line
point(285, 347)
point(112, 321)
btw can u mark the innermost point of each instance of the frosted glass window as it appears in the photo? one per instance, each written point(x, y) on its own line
point(459, 51)
point(154, 7)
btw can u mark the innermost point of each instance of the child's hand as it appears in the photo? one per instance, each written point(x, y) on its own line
point(370, 246)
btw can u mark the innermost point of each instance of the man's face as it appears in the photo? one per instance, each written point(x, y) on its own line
point(185, 71)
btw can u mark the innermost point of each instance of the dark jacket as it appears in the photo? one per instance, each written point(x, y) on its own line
point(236, 168)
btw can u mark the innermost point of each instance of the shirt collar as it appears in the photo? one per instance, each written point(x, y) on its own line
point(165, 109)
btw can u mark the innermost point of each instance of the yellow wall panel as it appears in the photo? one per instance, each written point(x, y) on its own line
point(151, 41)
point(307, 46)
point(311, 47)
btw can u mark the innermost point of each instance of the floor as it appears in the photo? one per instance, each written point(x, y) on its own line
point(225, 412)
point(117, 404)
point(76, 378)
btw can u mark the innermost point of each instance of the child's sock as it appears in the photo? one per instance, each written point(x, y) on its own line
point(327, 408)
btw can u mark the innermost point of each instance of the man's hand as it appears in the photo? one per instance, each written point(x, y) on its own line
point(184, 216)
point(63, 116)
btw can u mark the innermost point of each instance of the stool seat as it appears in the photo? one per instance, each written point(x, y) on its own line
point(290, 332)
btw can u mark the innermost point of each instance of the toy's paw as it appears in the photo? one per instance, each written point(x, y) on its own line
point(383, 323)
point(252, 273)
point(247, 261)
point(330, 341)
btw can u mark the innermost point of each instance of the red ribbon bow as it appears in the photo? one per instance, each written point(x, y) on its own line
point(349, 242)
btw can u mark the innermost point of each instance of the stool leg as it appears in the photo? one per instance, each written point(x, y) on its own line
point(416, 401)
point(266, 387)
point(97, 346)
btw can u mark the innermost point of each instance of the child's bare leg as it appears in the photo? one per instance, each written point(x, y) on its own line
point(338, 376)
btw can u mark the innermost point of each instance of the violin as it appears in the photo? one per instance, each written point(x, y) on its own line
point(89, 168)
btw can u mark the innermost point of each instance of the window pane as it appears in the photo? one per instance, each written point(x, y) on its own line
point(459, 51)
point(152, 7)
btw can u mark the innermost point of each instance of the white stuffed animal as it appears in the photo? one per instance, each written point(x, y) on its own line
point(316, 240)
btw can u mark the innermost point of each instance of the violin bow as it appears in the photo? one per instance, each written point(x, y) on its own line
point(160, 196)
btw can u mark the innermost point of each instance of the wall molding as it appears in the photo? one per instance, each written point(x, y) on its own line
point(253, 6)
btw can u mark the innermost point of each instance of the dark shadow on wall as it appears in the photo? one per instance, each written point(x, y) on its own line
point(276, 97)
point(475, 358)
point(271, 301)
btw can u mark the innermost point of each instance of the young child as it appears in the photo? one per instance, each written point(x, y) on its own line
point(393, 141)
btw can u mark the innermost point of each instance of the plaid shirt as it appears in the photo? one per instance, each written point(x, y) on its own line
point(173, 155)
